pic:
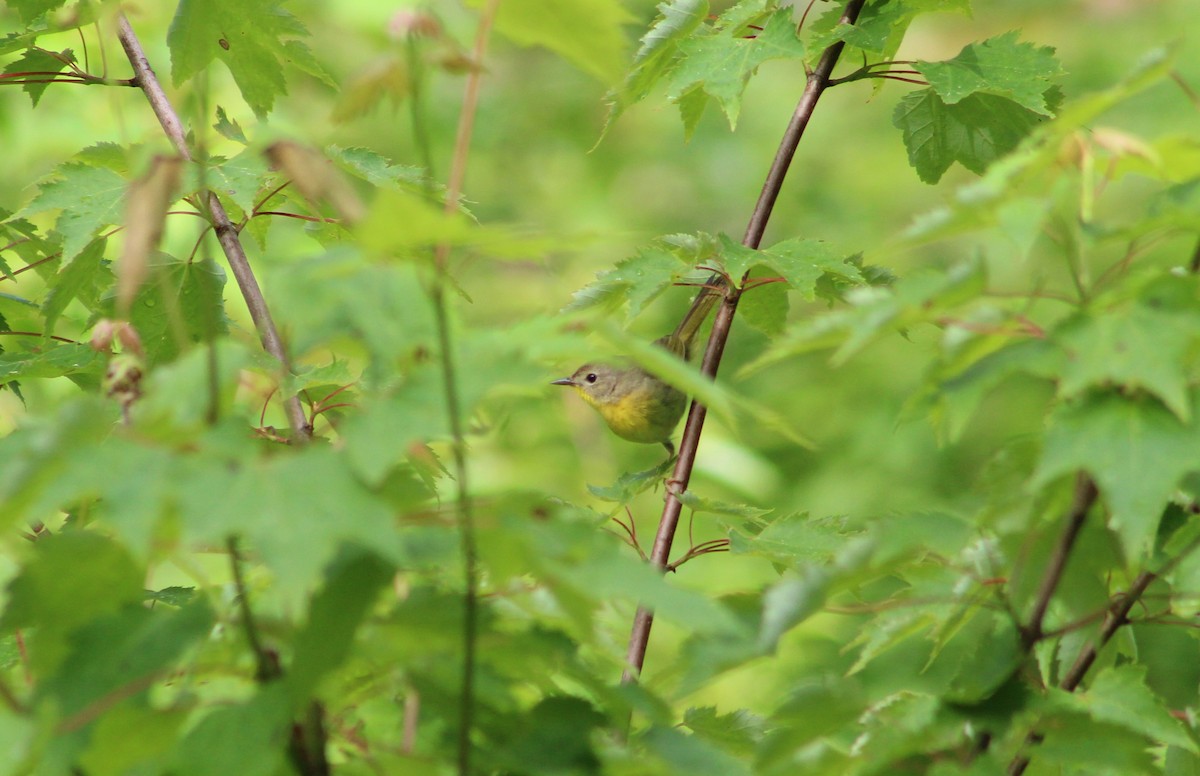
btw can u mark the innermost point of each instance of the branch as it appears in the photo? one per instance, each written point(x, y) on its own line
point(227, 233)
point(1085, 497)
point(306, 745)
point(818, 80)
point(466, 519)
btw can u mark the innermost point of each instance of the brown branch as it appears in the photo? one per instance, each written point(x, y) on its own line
point(307, 739)
point(1085, 497)
point(227, 233)
point(1116, 617)
point(37, 334)
point(818, 80)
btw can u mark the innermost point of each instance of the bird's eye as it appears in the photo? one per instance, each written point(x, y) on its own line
point(591, 378)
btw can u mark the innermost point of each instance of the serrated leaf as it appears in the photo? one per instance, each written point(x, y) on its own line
point(793, 538)
point(44, 64)
point(1136, 346)
point(721, 63)
point(874, 310)
point(61, 360)
point(1077, 743)
point(639, 279)
point(229, 128)
point(973, 132)
point(1021, 72)
point(1119, 696)
point(376, 169)
point(71, 280)
point(317, 179)
point(631, 484)
point(172, 596)
point(238, 179)
point(90, 198)
point(738, 731)
point(180, 304)
point(1135, 449)
point(800, 262)
point(30, 10)
point(248, 36)
point(657, 54)
point(698, 503)
point(293, 499)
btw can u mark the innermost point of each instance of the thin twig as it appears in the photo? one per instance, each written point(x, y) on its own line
point(466, 518)
point(227, 233)
point(817, 81)
point(267, 664)
point(1085, 497)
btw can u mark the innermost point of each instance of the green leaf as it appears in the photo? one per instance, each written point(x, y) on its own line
point(1080, 744)
point(721, 63)
point(41, 62)
point(1021, 72)
point(974, 132)
point(76, 360)
point(816, 708)
point(875, 310)
point(711, 506)
point(1119, 696)
point(89, 197)
point(74, 279)
point(660, 46)
point(179, 305)
point(587, 33)
point(639, 279)
point(229, 128)
point(630, 484)
point(1134, 448)
point(765, 308)
point(245, 738)
point(124, 650)
point(794, 538)
point(247, 35)
point(30, 10)
point(172, 596)
point(45, 594)
point(376, 169)
point(789, 602)
point(282, 506)
point(238, 180)
point(800, 262)
point(351, 585)
point(555, 736)
point(1143, 345)
point(681, 753)
point(738, 731)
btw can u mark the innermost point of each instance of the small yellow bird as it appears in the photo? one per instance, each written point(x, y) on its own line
point(637, 405)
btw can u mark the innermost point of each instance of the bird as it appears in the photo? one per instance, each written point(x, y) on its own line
point(635, 404)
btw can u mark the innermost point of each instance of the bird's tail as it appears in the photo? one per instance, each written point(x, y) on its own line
point(710, 293)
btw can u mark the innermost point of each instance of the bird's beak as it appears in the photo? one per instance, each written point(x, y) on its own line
point(563, 381)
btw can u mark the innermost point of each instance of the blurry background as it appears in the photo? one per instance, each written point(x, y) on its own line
point(536, 163)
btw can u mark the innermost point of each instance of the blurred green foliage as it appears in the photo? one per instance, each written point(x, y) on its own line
point(953, 354)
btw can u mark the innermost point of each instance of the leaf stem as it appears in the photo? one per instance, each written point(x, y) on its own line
point(227, 233)
point(817, 81)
